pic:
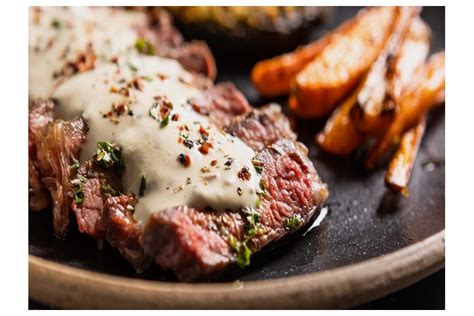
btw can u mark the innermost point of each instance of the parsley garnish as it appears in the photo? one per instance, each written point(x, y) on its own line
point(57, 24)
point(259, 202)
point(258, 165)
point(165, 121)
point(252, 229)
point(142, 189)
point(253, 219)
point(160, 111)
point(107, 189)
point(132, 67)
point(74, 166)
point(292, 222)
point(78, 193)
point(144, 47)
point(108, 155)
point(242, 251)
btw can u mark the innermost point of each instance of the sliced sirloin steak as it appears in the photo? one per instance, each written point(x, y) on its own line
point(58, 147)
point(221, 103)
point(199, 240)
point(194, 56)
point(123, 232)
point(196, 244)
point(225, 101)
point(39, 116)
point(261, 127)
point(96, 184)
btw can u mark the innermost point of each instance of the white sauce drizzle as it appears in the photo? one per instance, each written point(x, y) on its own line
point(58, 35)
point(152, 151)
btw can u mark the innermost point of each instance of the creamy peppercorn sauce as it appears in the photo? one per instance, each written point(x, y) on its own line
point(61, 37)
point(139, 103)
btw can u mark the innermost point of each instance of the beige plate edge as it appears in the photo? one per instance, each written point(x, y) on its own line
point(68, 287)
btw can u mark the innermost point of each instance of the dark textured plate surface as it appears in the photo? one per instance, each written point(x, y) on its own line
point(364, 219)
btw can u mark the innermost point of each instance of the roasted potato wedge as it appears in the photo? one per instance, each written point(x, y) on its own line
point(401, 164)
point(333, 73)
point(389, 75)
point(424, 94)
point(340, 136)
point(272, 77)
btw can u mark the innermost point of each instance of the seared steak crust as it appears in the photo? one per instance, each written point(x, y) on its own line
point(196, 244)
point(38, 199)
point(58, 148)
point(261, 127)
point(190, 242)
point(39, 116)
point(123, 232)
point(221, 103)
point(194, 56)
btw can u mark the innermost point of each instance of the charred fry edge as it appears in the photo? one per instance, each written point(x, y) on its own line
point(316, 94)
point(424, 95)
point(377, 102)
point(400, 166)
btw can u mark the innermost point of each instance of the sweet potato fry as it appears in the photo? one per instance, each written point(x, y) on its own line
point(272, 77)
point(401, 164)
point(340, 136)
point(414, 103)
point(409, 57)
point(344, 61)
point(409, 46)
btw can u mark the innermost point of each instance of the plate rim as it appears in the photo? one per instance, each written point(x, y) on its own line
point(65, 286)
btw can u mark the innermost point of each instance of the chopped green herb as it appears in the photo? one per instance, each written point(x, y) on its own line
point(252, 222)
point(147, 78)
point(141, 192)
point(74, 166)
point(107, 189)
point(144, 47)
point(132, 67)
point(241, 250)
point(78, 193)
point(258, 165)
point(160, 111)
point(165, 121)
point(262, 190)
point(259, 202)
point(57, 24)
point(292, 222)
point(108, 155)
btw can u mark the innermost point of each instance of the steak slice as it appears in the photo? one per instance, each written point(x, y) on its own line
point(40, 115)
point(122, 230)
point(58, 148)
point(261, 127)
point(106, 214)
point(196, 244)
point(38, 199)
point(222, 103)
point(194, 56)
point(96, 184)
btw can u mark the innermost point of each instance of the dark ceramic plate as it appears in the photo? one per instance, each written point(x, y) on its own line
point(364, 220)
